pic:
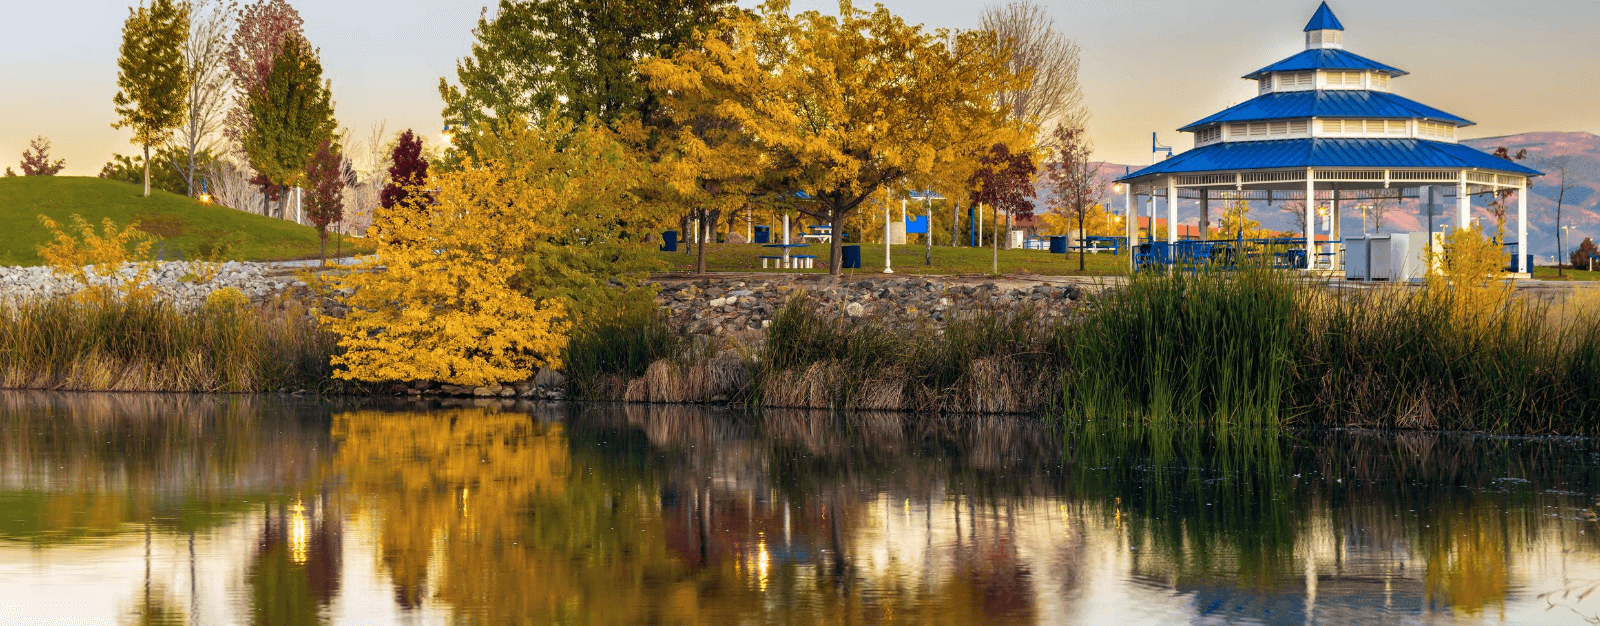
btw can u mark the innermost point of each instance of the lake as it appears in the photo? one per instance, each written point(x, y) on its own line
point(170, 509)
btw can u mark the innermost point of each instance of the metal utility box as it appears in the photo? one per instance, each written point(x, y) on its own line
point(1380, 257)
point(1398, 256)
point(1355, 258)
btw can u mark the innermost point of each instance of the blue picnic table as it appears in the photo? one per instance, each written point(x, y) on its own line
point(786, 261)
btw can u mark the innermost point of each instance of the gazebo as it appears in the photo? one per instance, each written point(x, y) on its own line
point(1327, 128)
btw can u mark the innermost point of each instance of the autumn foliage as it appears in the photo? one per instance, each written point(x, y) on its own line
point(94, 260)
point(407, 170)
point(36, 159)
point(436, 301)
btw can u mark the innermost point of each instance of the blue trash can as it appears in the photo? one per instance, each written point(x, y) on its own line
point(669, 241)
point(852, 257)
point(1058, 244)
point(763, 234)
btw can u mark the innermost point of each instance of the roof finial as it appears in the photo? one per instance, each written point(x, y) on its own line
point(1324, 20)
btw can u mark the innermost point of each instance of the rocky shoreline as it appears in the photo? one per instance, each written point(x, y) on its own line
point(177, 282)
point(734, 307)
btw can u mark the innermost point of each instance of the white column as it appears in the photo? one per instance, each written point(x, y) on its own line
point(887, 236)
point(1172, 209)
point(1311, 219)
point(1131, 216)
point(786, 240)
point(1463, 203)
point(980, 224)
point(1522, 229)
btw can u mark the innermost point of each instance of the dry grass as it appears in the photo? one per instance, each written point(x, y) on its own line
point(78, 345)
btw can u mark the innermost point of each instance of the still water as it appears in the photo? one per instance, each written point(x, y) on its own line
point(118, 509)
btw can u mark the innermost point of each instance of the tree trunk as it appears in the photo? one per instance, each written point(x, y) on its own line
point(188, 179)
point(1559, 250)
point(700, 239)
point(994, 243)
point(322, 237)
point(1081, 238)
point(147, 170)
point(836, 242)
point(283, 201)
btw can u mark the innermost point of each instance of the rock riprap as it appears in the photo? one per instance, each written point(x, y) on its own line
point(174, 281)
point(721, 307)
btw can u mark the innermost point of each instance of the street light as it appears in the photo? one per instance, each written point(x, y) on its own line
point(1566, 232)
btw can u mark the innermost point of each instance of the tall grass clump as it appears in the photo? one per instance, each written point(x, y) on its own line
point(1208, 347)
point(97, 344)
point(981, 361)
point(1424, 359)
point(606, 352)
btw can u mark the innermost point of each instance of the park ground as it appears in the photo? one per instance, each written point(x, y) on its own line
point(948, 261)
point(183, 224)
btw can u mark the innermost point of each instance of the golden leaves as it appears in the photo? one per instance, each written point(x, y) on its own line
point(95, 260)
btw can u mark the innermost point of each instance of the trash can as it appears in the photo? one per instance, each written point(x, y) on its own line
point(763, 234)
point(852, 257)
point(669, 241)
point(1058, 244)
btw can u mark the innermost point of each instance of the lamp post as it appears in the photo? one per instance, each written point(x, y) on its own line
point(1561, 250)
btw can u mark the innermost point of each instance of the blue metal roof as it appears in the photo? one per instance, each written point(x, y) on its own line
point(1327, 103)
point(1324, 20)
point(1326, 59)
point(1300, 153)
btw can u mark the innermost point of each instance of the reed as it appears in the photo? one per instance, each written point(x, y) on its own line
point(82, 345)
point(1253, 349)
point(605, 353)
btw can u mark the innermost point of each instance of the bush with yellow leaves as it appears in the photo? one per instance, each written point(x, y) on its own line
point(95, 260)
point(436, 301)
point(1468, 279)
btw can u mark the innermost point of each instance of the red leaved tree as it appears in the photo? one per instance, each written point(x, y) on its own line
point(1005, 183)
point(263, 28)
point(408, 169)
point(325, 203)
point(1072, 178)
point(36, 159)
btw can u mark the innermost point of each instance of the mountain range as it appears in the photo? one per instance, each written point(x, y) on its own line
point(1574, 154)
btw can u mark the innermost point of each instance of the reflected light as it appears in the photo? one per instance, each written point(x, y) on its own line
point(762, 560)
point(298, 533)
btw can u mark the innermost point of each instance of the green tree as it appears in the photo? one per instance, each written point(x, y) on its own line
point(574, 57)
point(153, 78)
point(292, 114)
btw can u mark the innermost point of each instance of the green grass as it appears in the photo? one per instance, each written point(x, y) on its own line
point(182, 223)
point(907, 260)
point(1549, 273)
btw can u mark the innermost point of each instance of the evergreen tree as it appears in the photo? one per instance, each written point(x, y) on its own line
point(291, 115)
point(574, 56)
point(407, 169)
point(325, 178)
point(152, 78)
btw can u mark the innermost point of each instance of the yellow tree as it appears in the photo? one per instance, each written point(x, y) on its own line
point(436, 301)
point(844, 106)
point(1236, 220)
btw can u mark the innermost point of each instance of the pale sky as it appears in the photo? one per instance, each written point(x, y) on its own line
point(1530, 65)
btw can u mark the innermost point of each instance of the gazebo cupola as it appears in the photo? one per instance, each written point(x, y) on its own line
point(1324, 32)
point(1325, 122)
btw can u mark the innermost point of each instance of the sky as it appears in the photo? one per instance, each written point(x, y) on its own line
point(1148, 66)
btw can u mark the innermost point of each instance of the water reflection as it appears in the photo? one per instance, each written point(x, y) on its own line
point(212, 510)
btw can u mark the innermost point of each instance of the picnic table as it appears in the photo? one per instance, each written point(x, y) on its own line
point(787, 260)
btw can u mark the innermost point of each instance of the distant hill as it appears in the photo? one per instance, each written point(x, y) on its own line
point(1578, 151)
point(181, 222)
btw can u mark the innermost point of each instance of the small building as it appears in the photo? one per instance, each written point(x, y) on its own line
point(1328, 127)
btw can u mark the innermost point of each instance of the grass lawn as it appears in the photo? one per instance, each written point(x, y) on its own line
point(1549, 273)
point(181, 222)
point(907, 260)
